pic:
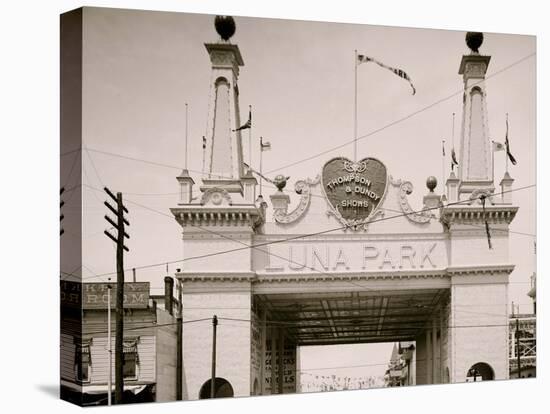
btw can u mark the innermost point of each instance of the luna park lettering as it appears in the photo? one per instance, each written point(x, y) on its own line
point(339, 258)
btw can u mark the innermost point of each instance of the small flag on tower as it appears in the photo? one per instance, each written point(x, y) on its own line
point(443, 146)
point(264, 146)
point(507, 142)
point(453, 159)
point(247, 124)
point(203, 142)
point(401, 73)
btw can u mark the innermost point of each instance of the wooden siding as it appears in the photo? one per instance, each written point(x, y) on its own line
point(100, 360)
point(99, 372)
point(67, 358)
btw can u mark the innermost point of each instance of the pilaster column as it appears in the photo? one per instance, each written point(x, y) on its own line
point(280, 361)
point(441, 363)
point(434, 352)
point(273, 360)
point(428, 357)
point(264, 343)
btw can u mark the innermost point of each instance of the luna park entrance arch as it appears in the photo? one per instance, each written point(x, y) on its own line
point(351, 262)
point(410, 278)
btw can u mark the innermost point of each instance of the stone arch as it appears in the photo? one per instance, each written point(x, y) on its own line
point(480, 371)
point(221, 80)
point(476, 89)
point(222, 389)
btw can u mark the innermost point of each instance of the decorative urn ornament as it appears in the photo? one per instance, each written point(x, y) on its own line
point(225, 26)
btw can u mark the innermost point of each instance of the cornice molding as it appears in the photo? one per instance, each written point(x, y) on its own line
point(216, 276)
point(481, 269)
point(353, 237)
point(264, 277)
point(477, 214)
point(349, 276)
point(211, 216)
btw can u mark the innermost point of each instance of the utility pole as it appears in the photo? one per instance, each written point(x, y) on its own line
point(62, 216)
point(109, 346)
point(119, 329)
point(213, 380)
point(517, 348)
point(179, 350)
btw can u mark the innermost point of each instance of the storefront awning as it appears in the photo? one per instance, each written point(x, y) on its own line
point(102, 389)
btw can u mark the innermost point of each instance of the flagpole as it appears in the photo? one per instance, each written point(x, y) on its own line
point(493, 157)
point(453, 147)
point(186, 133)
point(507, 145)
point(261, 170)
point(443, 165)
point(250, 139)
point(355, 112)
point(203, 154)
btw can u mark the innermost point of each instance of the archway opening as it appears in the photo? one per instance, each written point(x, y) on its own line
point(222, 389)
point(480, 372)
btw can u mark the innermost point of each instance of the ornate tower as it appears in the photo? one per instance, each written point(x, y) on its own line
point(476, 161)
point(477, 224)
point(218, 227)
point(224, 159)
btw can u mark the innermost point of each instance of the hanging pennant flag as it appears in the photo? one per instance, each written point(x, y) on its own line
point(443, 146)
point(507, 142)
point(203, 142)
point(247, 124)
point(453, 159)
point(482, 198)
point(498, 146)
point(265, 146)
point(398, 72)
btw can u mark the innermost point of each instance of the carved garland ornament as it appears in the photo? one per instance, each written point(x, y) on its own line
point(216, 196)
point(405, 189)
point(303, 188)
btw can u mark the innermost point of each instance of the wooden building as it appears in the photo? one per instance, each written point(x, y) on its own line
point(149, 346)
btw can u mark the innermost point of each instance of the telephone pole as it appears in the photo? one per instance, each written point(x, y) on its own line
point(119, 327)
point(109, 346)
point(179, 344)
point(213, 380)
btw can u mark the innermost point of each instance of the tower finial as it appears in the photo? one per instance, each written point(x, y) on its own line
point(225, 26)
point(474, 40)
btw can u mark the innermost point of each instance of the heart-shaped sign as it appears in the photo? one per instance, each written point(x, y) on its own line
point(354, 189)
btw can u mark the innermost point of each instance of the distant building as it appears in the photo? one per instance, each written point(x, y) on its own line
point(149, 347)
point(533, 292)
point(402, 367)
point(524, 325)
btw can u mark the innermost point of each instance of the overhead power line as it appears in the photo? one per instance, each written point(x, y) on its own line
point(297, 237)
point(412, 114)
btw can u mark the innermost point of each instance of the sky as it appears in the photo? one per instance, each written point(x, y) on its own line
point(141, 68)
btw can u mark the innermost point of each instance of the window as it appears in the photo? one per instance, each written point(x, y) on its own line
point(83, 362)
point(130, 359)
